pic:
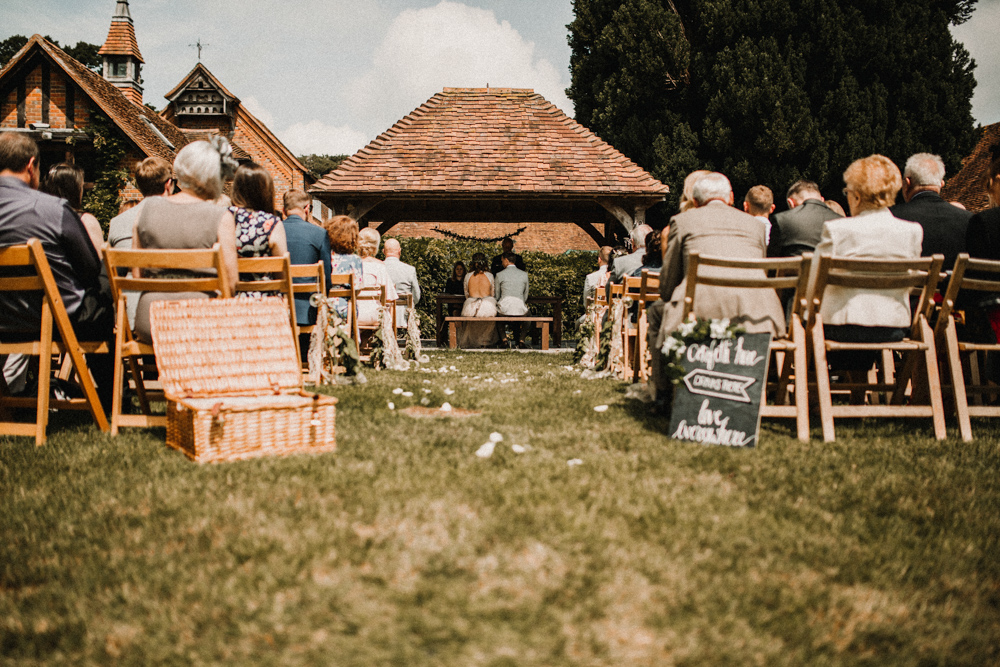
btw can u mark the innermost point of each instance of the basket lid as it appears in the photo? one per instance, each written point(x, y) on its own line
point(224, 347)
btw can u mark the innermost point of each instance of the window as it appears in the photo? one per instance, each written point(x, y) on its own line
point(119, 67)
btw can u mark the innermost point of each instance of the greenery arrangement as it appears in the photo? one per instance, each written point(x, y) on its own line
point(321, 165)
point(110, 174)
point(406, 548)
point(692, 332)
point(471, 237)
point(773, 90)
point(549, 275)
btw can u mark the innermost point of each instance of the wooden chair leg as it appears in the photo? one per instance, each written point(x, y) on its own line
point(933, 382)
point(44, 376)
point(958, 383)
point(823, 385)
point(116, 397)
point(975, 378)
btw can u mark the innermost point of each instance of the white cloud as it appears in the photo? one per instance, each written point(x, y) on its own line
point(258, 111)
point(450, 44)
point(316, 137)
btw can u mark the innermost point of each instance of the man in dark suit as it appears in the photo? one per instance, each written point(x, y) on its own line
point(496, 265)
point(797, 230)
point(307, 244)
point(944, 225)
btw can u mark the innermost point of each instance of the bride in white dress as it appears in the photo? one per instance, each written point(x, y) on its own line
point(479, 302)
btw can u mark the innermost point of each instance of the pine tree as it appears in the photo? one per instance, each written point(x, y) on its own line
point(768, 91)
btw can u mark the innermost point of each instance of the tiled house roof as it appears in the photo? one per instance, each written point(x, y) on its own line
point(137, 122)
point(968, 186)
point(121, 41)
point(489, 140)
point(196, 70)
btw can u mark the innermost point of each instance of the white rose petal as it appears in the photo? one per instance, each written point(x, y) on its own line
point(574, 462)
point(446, 407)
point(392, 406)
point(426, 391)
point(449, 392)
point(495, 437)
point(425, 401)
point(578, 391)
point(486, 450)
point(408, 394)
point(600, 408)
point(427, 381)
point(397, 391)
point(453, 368)
point(518, 449)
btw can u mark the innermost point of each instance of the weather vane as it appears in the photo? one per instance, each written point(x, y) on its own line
point(198, 45)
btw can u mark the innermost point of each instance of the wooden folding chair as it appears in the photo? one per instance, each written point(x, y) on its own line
point(631, 286)
point(919, 353)
point(649, 292)
point(278, 279)
point(404, 301)
point(775, 274)
point(128, 350)
point(982, 277)
point(31, 273)
point(377, 295)
point(307, 279)
point(343, 285)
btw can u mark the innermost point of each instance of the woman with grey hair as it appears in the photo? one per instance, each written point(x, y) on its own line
point(189, 219)
point(373, 274)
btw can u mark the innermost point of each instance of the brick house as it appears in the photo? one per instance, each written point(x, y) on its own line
point(51, 96)
point(502, 159)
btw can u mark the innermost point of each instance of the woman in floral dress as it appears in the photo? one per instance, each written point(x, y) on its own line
point(259, 231)
point(343, 233)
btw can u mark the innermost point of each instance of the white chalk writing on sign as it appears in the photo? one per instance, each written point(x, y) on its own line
point(722, 352)
point(711, 429)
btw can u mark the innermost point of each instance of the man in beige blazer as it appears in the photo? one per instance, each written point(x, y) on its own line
point(713, 227)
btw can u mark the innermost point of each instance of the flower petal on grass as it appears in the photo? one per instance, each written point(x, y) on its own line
point(425, 401)
point(496, 437)
point(574, 462)
point(397, 391)
point(392, 406)
point(446, 407)
point(408, 394)
point(600, 408)
point(519, 449)
point(486, 450)
point(449, 392)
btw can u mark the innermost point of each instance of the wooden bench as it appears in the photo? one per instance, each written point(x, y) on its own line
point(453, 321)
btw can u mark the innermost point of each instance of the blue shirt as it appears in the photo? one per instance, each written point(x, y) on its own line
point(307, 244)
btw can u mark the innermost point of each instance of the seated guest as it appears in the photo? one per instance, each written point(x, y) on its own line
point(797, 230)
point(404, 277)
point(373, 274)
point(189, 219)
point(652, 260)
point(863, 316)
point(456, 285)
point(687, 201)
point(713, 227)
point(479, 302)
point(759, 203)
point(944, 225)
point(307, 244)
point(597, 279)
point(510, 289)
point(76, 267)
point(983, 233)
point(153, 178)
point(507, 245)
point(258, 230)
point(66, 180)
point(626, 264)
point(343, 234)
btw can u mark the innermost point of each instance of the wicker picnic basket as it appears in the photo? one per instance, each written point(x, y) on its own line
point(233, 383)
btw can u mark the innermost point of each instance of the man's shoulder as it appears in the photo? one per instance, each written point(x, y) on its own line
point(929, 207)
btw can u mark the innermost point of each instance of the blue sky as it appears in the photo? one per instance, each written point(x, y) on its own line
point(329, 75)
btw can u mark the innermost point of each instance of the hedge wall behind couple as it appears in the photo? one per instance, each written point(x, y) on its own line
point(549, 275)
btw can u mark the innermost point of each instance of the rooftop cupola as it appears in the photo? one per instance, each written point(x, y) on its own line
point(122, 60)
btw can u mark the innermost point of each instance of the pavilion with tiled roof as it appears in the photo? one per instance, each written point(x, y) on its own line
point(968, 186)
point(491, 155)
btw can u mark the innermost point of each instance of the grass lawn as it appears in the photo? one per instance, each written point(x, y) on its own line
point(405, 548)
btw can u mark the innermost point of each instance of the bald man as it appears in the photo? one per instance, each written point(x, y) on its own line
point(403, 275)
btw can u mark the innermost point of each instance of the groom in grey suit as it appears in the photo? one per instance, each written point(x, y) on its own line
point(510, 288)
point(404, 277)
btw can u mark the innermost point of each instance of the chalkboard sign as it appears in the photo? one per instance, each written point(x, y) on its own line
point(717, 402)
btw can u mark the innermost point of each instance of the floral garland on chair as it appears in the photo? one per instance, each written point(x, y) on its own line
point(385, 350)
point(694, 331)
point(331, 347)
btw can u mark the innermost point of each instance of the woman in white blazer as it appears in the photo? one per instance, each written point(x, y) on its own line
point(872, 232)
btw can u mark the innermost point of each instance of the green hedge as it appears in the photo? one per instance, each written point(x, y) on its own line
point(549, 275)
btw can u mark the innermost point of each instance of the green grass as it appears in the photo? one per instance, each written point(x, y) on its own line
point(406, 549)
